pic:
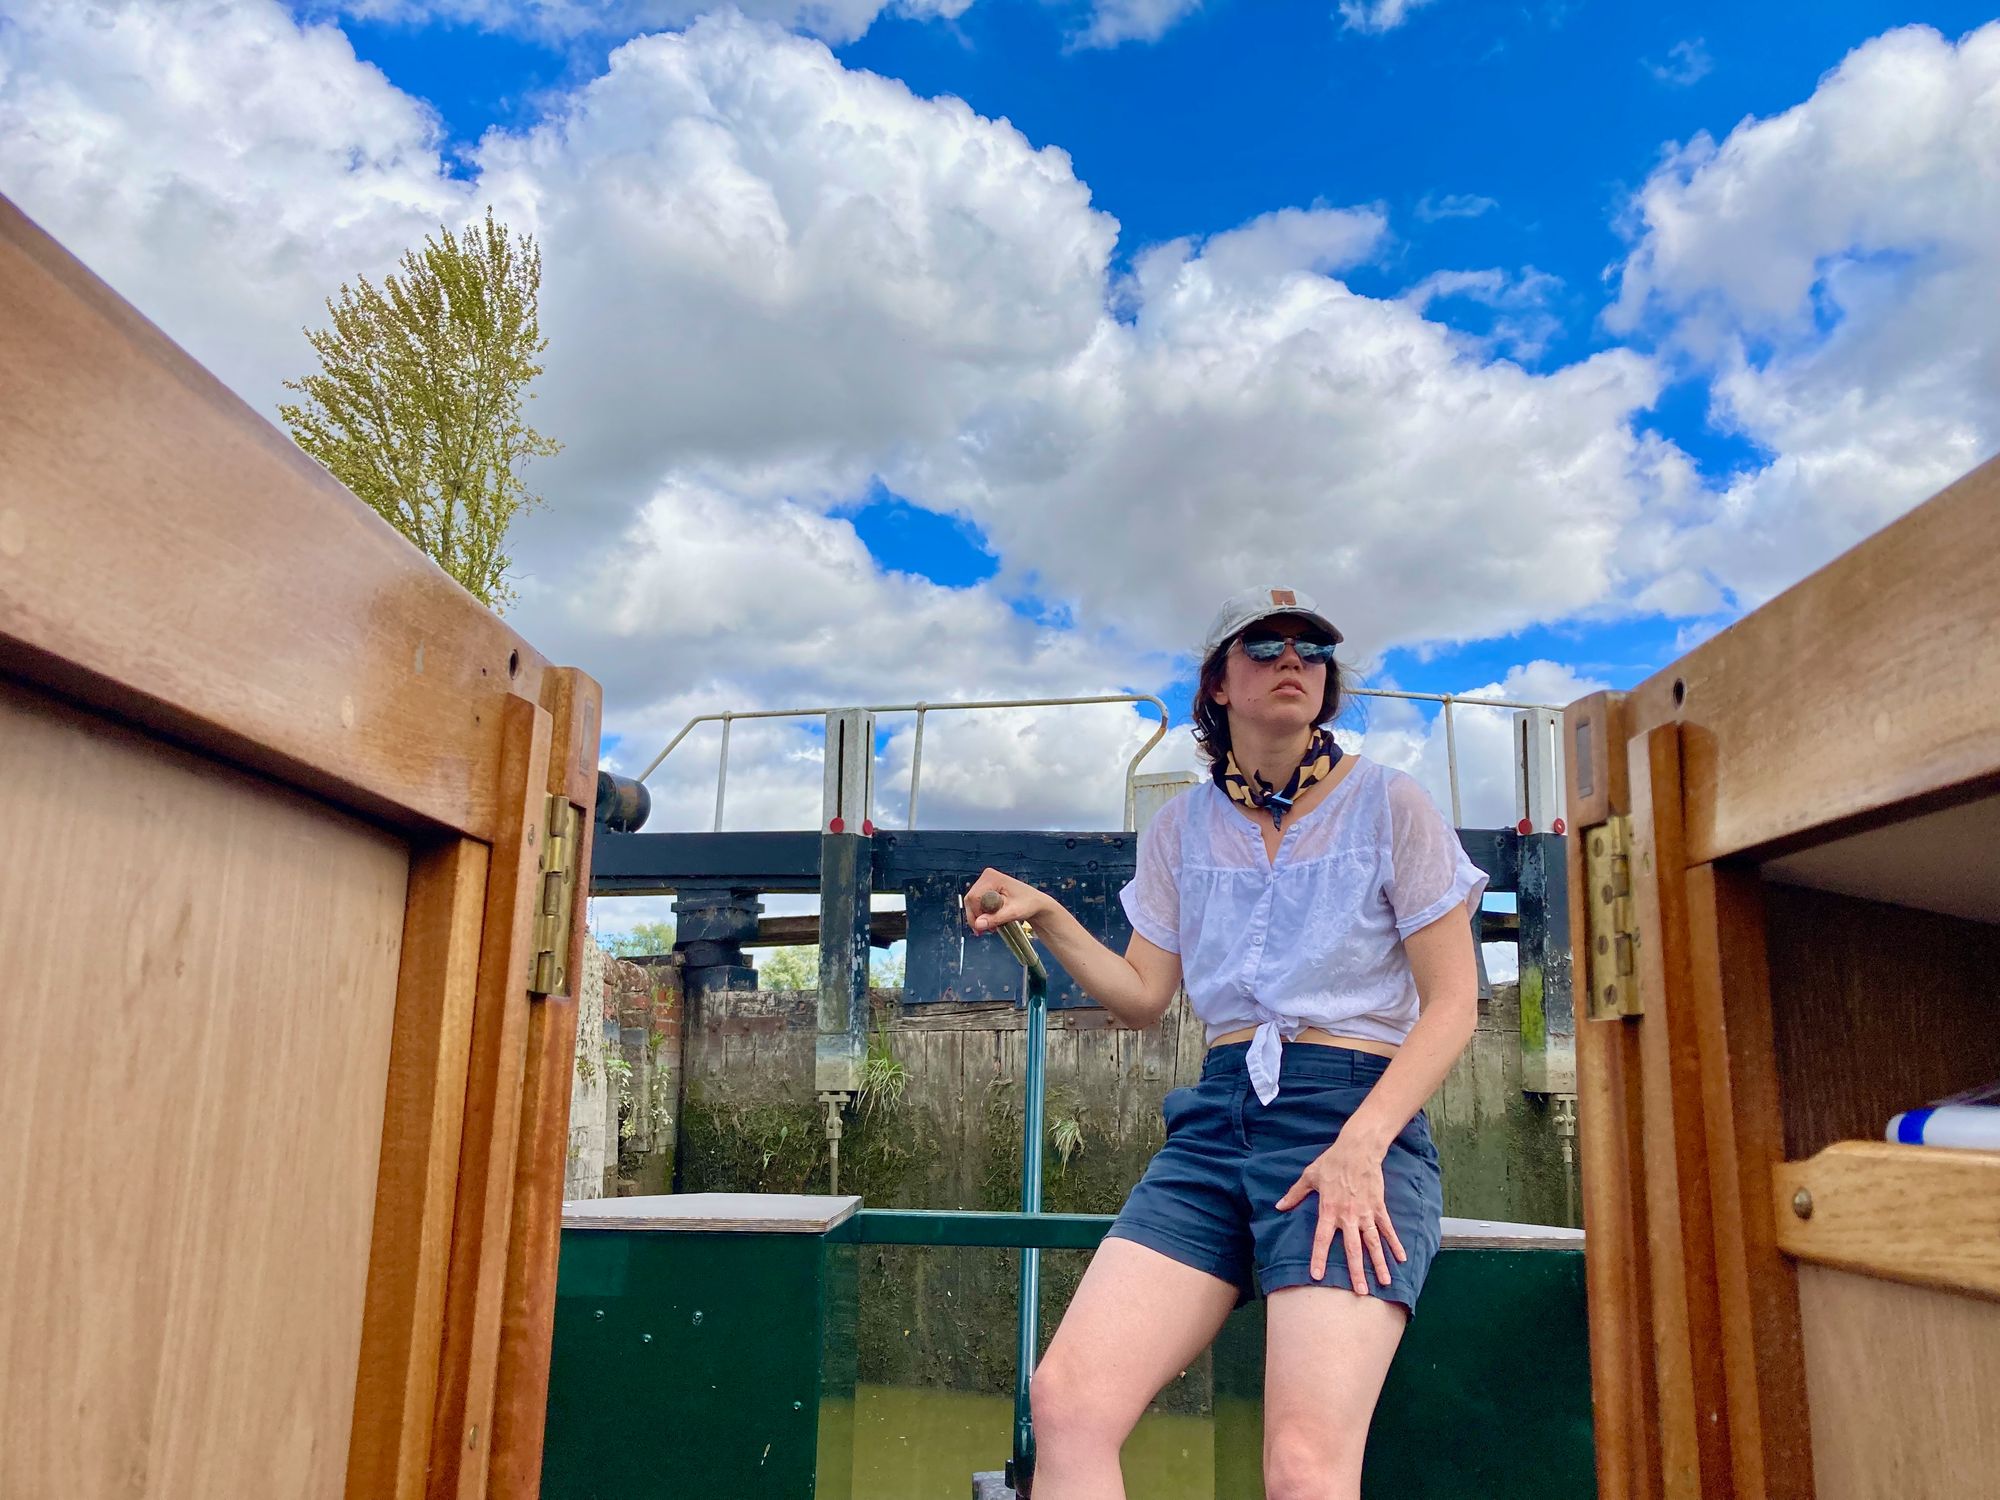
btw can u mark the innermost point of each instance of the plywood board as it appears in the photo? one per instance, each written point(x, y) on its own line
point(1901, 1381)
point(185, 1280)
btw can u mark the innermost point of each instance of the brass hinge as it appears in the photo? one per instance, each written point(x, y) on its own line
point(561, 825)
point(1614, 921)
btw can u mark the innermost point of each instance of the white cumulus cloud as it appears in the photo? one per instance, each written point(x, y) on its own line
point(1834, 267)
point(1115, 21)
point(835, 20)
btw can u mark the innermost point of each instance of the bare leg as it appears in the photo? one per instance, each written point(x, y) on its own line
point(1326, 1352)
point(1137, 1320)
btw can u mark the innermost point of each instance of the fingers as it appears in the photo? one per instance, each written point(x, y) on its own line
point(1322, 1241)
point(1371, 1236)
point(990, 882)
point(1351, 1238)
point(1019, 902)
point(1389, 1234)
point(1294, 1195)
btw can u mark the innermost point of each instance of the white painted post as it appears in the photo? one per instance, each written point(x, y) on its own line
point(1151, 793)
point(850, 770)
point(1537, 788)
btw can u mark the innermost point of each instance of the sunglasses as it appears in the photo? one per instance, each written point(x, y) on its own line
point(1267, 645)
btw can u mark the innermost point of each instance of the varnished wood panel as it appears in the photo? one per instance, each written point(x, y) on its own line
point(1902, 1383)
point(1763, 1362)
point(171, 555)
point(527, 1324)
point(1875, 1009)
point(184, 1272)
point(1617, 1275)
point(417, 1193)
point(1680, 1242)
point(1867, 686)
point(461, 1445)
point(1920, 1214)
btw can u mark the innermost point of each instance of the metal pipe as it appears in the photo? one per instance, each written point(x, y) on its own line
point(1451, 764)
point(1021, 1468)
point(722, 772)
point(920, 709)
point(1131, 770)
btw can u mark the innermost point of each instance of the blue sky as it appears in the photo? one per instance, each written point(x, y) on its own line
point(1538, 340)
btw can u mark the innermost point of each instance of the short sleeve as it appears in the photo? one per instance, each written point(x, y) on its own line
point(1152, 898)
point(1430, 871)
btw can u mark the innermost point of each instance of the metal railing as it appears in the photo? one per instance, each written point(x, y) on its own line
point(1451, 729)
point(921, 708)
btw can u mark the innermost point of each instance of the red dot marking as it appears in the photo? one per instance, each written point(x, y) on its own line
point(1526, 825)
point(1561, 826)
point(838, 825)
point(868, 827)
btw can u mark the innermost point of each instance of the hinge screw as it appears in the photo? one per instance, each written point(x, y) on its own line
point(1802, 1203)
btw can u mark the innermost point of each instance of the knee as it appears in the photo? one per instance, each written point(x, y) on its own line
point(1070, 1407)
point(1312, 1465)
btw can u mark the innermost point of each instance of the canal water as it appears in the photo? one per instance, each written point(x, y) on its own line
point(914, 1444)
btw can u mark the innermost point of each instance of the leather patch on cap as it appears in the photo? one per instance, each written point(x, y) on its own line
point(1284, 596)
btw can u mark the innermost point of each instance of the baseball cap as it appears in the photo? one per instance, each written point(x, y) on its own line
point(1250, 605)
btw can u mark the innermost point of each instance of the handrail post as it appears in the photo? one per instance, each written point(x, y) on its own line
point(1451, 762)
point(917, 762)
point(1021, 1468)
point(722, 772)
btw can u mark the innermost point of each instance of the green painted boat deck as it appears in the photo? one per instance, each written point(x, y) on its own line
point(705, 1348)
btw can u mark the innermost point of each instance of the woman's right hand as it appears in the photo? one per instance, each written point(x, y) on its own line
point(1019, 902)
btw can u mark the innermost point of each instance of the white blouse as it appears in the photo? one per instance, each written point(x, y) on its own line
point(1314, 937)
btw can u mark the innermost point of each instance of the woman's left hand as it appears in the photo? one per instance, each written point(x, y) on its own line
point(1348, 1179)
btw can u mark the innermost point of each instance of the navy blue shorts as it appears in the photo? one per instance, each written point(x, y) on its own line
point(1209, 1198)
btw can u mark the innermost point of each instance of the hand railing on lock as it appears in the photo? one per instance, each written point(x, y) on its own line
point(1448, 701)
point(921, 710)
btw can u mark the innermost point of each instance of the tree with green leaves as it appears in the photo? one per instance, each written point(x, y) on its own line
point(797, 968)
point(418, 405)
point(641, 940)
point(790, 968)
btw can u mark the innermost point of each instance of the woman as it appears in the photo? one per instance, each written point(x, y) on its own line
point(1316, 908)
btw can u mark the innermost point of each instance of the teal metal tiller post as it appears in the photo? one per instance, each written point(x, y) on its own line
point(1021, 1467)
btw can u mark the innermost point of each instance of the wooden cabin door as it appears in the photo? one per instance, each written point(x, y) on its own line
point(286, 924)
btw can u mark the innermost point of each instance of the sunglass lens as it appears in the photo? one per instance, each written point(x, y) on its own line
point(1271, 647)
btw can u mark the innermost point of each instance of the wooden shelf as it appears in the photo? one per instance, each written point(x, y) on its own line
point(1929, 1215)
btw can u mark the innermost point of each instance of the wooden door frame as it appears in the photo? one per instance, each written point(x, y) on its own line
point(170, 559)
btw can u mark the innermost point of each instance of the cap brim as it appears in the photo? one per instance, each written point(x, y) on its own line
point(1332, 630)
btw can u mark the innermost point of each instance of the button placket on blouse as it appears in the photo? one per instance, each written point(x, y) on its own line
point(1261, 922)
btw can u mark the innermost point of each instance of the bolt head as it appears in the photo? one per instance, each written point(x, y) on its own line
point(1802, 1203)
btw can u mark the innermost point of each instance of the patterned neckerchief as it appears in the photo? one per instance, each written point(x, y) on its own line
point(1321, 756)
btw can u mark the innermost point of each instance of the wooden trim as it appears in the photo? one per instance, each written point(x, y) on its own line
point(308, 640)
point(402, 1327)
point(1594, 770)
point(1617, 1282)
point(1927, 1215)
point(462, 1439)
point(1762, 1355)
point(1694, 1439)
point(1911, 724)
point(527, 1328)
point(1617, 1271)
